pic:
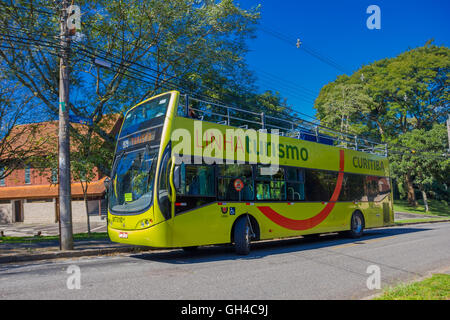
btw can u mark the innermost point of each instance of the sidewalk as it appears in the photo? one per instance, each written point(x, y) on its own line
point(43, 250)
point(49, 229)
point(49, 249)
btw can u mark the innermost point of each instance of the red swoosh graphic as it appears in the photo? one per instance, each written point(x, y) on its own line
point(313, 221)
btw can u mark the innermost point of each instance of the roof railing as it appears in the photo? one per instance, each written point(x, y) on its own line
point(298, 128)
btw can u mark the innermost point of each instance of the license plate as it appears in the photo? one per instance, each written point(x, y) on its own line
point(123, 235)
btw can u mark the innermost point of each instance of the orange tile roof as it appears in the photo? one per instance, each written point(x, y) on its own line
point(96, 188)
point(45, 134)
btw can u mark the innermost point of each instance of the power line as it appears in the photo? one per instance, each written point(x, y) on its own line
point(301, 95)
point(6, 7)
point(269, 81)
point(295, 86)
point(291, 39)
point(294, 42)
point(130, 72)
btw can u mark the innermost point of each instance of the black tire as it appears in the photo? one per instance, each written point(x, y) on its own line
point(242, 236)
point(313, 236)
point(356, 225)
point(190, 249)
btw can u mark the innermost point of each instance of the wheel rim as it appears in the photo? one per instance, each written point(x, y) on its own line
point(357, 224)
point(247, 235)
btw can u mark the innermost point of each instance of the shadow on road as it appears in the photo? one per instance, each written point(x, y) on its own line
point(265, 248)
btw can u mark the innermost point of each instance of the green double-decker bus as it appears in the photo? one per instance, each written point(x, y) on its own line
point(189, 173)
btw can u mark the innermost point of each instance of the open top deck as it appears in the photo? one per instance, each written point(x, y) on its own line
point(285, 125)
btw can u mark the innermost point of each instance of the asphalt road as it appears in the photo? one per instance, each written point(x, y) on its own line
point(328, 268)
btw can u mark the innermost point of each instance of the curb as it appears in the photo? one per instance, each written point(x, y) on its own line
point(68, 254)
point(417, 222)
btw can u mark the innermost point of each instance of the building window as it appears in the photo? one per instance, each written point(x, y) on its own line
point(2, 180)
point(54, 175)
point(27, 175)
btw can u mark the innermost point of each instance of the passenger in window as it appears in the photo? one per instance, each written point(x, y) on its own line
point(204, 176)
point(194, 187)
point(247, 192)
point(192, 114)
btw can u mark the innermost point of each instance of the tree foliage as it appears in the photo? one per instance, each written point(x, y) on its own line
point(192, 46)
point(397, 100)
point(427, 169)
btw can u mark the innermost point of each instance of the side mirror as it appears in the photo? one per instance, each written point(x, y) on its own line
point(107, 183)
point(176, 177)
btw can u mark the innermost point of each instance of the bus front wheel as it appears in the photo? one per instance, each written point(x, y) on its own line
point(242, 236)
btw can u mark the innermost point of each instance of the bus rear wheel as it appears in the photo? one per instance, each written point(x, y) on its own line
point(242, 236)
point(356, 225)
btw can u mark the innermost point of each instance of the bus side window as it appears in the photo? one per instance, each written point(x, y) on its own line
point(353, 188)
point(270, 186)
point(227, 176)
point(197, 180)
point(320, 184)
point(197, 187)
point(295, 178)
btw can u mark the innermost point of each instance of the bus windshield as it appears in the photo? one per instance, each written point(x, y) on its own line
point(132, 181)
point(145, 115)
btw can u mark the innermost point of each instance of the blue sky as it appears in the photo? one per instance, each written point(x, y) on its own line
point(336, 30)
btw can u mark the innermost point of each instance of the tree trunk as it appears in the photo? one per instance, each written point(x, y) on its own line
point(86, 206)
point(87, 214)
point(411, 196)
point(425, 199)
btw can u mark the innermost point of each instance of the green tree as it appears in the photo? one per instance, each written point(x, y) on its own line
point(391, 97)
point(422, 167)
point(344, 105)
point(152, 46)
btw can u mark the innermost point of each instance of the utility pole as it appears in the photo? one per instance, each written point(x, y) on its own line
point(448, 131)
point(65, 205)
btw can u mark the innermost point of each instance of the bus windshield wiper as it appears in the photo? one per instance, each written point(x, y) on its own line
point(116, 162)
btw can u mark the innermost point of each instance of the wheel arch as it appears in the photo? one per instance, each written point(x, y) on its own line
point(253, 222)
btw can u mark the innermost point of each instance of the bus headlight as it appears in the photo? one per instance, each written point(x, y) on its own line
point(144, 223)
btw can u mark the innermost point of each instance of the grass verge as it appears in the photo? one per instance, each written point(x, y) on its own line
point(400, 222)
point(437, 208)
point(435, 288)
